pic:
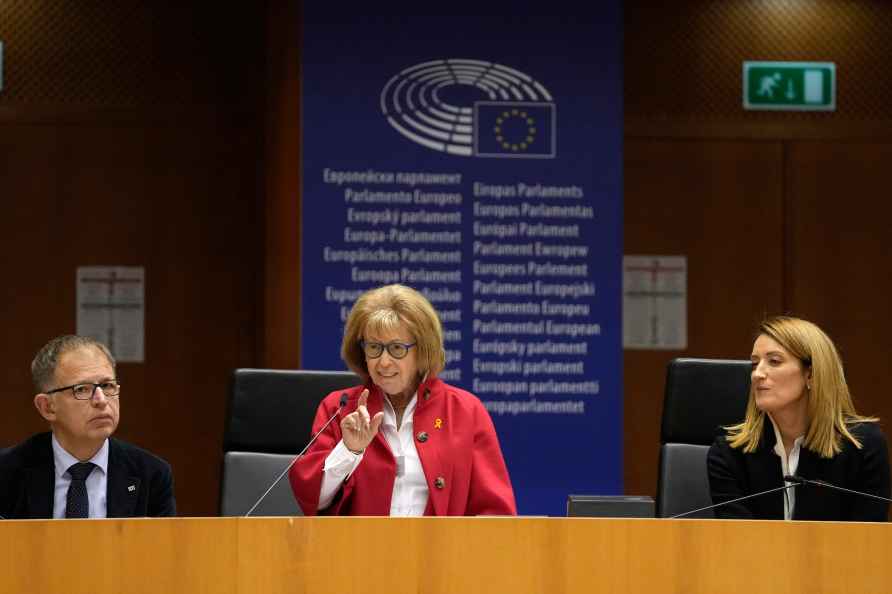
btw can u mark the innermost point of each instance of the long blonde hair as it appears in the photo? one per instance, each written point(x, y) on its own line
point(829, 403)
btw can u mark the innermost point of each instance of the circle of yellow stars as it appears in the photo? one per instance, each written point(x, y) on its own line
point(524, 117)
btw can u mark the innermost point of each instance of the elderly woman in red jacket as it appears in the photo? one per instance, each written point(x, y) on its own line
point(407, 443)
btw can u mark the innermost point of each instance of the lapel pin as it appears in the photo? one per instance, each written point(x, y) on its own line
point(131, 488)
point(438, 423)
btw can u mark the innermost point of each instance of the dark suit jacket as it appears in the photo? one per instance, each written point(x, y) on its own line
point(139, 483)
point(735, 474)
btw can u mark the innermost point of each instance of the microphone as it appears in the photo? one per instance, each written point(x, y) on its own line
point(730, 501)
point(341, 404)
point(819, 483)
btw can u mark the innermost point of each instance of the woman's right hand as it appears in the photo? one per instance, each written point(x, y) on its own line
point(357, 429)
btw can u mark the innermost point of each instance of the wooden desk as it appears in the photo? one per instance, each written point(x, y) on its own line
point(442, 555)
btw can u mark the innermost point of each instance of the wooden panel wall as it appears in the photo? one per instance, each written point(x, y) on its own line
point(129, 135)
point(840, 255)
point(173, 135)
point(719, 203)
point(281, 290)
point(781, 212)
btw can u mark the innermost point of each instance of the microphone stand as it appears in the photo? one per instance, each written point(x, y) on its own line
point(730, 501)
point(341, 405)
point(795, 481)
point(819, 483)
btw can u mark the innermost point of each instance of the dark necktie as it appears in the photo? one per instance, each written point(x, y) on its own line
point(78, 504)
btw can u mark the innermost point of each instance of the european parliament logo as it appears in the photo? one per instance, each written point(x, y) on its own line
point(514, 129)
point(472, 108)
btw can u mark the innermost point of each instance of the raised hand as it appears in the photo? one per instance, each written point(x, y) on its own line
point(357, 429)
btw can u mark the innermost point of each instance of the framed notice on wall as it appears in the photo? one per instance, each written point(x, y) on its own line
point(111, 309)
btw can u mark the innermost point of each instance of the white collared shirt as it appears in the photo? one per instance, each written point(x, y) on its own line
point(97, 482)
point(788, 467)
point(410, 492)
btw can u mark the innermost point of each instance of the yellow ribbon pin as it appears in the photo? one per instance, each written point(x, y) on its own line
point(438, 423)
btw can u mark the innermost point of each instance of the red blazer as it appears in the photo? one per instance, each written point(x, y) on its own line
point(457, 445)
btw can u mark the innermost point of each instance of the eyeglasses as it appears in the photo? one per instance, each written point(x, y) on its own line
point(86, 391)
point(395, 349)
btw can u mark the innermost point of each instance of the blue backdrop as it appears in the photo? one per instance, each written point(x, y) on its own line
point(479, 160)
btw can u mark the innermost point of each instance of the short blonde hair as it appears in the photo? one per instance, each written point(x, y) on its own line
point(829, 406)
point(385, 309)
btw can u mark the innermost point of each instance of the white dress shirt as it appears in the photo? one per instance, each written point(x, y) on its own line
point(410, 492)
point(788, 467)
point(97, 482)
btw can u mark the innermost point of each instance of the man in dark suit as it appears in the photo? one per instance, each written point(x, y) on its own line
point(78, 470)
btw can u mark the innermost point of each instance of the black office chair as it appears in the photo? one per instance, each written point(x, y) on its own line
point(269, 421)
point(701, 395)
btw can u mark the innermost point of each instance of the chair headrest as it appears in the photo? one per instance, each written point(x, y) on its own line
point(701, 395)
point(272, 410)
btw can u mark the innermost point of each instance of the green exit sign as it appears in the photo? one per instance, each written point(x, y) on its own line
point(789, 86)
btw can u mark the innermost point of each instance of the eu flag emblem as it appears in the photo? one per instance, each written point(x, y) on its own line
point(514, 129)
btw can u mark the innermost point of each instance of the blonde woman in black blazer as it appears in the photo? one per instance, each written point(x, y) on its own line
point(800, 420)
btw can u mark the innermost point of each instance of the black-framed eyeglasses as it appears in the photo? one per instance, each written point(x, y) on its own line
point(87, 390)
point(395, 349)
